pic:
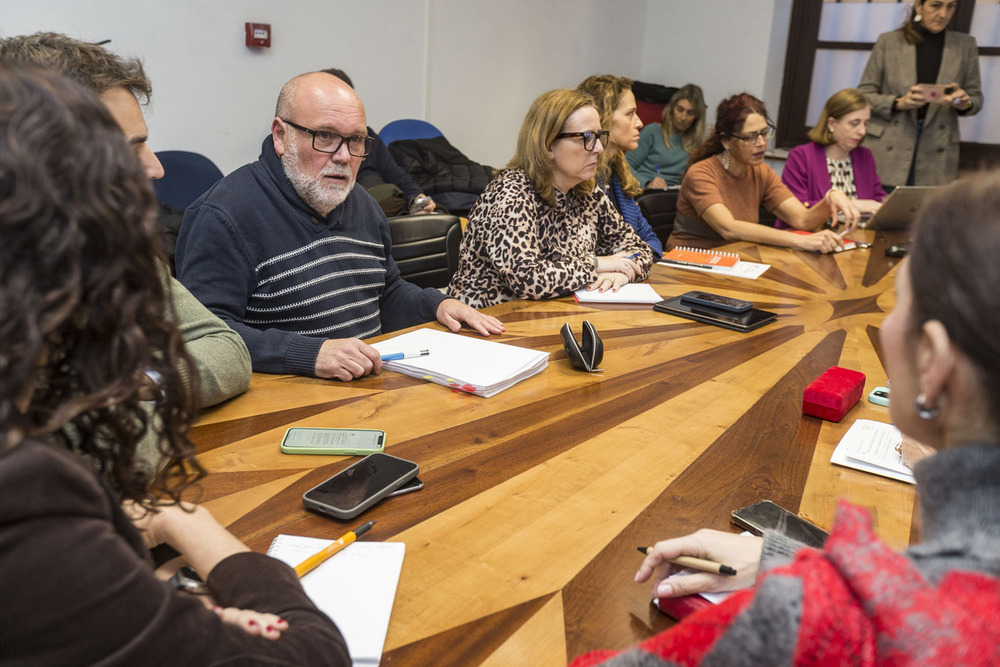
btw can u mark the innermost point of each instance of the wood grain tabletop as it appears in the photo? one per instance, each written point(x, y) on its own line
point(521, 548)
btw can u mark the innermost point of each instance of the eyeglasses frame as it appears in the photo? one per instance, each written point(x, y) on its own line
point(368, 140)
point(602, 136)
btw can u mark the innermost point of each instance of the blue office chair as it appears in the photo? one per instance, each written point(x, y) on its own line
point(186, 177)
point(408, 128)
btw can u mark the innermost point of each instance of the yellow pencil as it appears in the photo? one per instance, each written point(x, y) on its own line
point(310, 563)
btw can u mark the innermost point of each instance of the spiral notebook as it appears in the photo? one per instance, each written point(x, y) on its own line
point(701, 257)
point(355, 588)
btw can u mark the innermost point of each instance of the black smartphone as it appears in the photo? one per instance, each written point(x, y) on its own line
point(766, 515)
point(352, 491)
point(414, 484)
point(745, 322)
point(709, 300)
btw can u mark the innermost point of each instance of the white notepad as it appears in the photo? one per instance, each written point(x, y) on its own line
point(466, 363)
point(355, 588)
point(871, 446)
point(628, 293)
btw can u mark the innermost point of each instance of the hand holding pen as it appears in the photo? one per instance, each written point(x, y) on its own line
point(738, 553)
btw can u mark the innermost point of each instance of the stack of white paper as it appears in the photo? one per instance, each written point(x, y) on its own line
point(871, 446)
point(465, 363)
point(355, 588)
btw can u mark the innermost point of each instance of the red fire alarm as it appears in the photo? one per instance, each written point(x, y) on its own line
point(258, 35)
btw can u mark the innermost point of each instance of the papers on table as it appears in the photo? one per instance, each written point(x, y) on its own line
point(742, 269)
point(628, 293)
point(355, 588)
point(871, 446)
point(465, 363)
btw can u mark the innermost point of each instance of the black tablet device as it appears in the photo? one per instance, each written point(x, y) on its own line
point(744, 322)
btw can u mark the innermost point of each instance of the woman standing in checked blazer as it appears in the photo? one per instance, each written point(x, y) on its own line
point(914, 133)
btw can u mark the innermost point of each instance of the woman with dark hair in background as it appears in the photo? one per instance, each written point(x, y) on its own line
point(83, 332)
point(617, 109)
point(835, 157)
point(728, 182)
point(541, 229)
point(665, 148)
point(857, 601)
point(914, 130)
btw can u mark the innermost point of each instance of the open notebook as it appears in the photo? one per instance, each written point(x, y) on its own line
point(466, 363)
point(355, 588)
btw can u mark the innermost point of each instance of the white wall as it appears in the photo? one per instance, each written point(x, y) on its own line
point(471, 67)
point(490, 60)
point(724, 46)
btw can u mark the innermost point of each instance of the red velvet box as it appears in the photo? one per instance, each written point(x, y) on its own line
point(833, 393)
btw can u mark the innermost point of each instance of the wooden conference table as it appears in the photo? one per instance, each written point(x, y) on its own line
point(521, 548)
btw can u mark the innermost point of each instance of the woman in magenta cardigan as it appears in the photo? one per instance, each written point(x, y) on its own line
point(835, 157)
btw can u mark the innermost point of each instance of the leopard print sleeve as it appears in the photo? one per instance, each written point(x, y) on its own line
point(516, 246)
point(615, 235)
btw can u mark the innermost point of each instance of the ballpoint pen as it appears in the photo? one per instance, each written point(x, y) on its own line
point(697, 563)
point(395, 356)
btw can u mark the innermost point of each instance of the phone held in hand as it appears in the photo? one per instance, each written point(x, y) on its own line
point(419, 204)
point(333, 441)
point(766, 515)
point(352, 491)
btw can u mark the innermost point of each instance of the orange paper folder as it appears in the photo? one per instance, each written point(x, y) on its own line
point(699, 257)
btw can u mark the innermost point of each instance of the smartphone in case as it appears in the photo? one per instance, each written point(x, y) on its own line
point(745, 322)
point(333, 441)
point(932, 91)
point(766, 515)
point(709, 300)
point(352, 491)
point(879, 396)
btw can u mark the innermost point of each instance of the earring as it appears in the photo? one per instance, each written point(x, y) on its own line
point(925, 412)
point(917, 18)
point(724, 158)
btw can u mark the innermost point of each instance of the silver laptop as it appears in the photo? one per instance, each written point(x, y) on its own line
point(900, 208)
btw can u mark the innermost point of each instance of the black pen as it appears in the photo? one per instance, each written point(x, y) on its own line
point(697, 563)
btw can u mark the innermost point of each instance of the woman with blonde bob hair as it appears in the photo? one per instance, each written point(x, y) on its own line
point(541, 229)
point(665, 148)
point(835, 157)
point(617, 108)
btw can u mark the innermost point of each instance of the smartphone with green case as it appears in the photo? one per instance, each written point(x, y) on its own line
point(333, 441)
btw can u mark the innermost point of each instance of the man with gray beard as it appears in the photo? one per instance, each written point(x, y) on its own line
point(297, 260)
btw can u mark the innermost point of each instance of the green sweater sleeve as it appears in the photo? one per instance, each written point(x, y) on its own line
point(219, 353)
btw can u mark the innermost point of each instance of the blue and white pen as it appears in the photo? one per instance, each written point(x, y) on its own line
point(396, 356)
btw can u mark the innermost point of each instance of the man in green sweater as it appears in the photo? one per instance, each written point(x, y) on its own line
point(221, 357)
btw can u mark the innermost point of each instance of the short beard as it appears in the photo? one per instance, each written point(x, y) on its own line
point(322, 196)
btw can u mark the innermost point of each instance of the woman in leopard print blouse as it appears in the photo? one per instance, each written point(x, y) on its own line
point(541, 229)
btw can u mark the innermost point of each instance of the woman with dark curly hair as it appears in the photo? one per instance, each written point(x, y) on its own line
point(728, 182)
point(88, 362)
